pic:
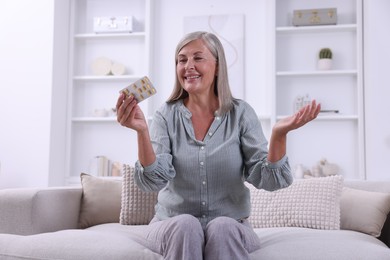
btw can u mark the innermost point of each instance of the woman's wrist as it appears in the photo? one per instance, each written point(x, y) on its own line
point(277, 147)
point(144, 132)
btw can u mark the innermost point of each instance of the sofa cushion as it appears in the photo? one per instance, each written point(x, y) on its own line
point(313, 244)
point(137, 207)
point(311, 203)
point(101, 201)
point(115, 241)
point(375, 205)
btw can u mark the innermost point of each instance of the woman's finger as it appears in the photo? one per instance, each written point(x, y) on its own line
point(317, 110)
point(120, 101)
point(122, 106)
point(128, 107)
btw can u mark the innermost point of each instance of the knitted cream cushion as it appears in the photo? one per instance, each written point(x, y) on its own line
point(311, 203)
point(137, 206)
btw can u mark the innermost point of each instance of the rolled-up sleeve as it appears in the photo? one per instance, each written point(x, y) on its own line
point(154, 177)
point(258, 170)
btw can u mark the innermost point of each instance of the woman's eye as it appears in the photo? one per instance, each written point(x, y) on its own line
point(182, 61)
point(198, 58)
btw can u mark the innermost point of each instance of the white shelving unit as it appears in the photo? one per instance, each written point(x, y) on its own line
point(338, 137)
point(89, 134)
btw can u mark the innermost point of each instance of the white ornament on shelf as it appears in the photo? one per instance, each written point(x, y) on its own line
point(113, 24)
point(301, 101)
point(104, 66)
point(101, 66)
point(118, 69)
point(322, 169)
point(100, 112)
point(316, 171)
point(328, 169)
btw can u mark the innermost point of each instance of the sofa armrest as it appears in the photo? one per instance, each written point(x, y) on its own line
point(33, 211)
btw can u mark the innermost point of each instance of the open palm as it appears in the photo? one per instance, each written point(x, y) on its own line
point(302, 117)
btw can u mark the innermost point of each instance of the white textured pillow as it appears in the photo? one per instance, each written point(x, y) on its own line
point(311, 203)
point(364, 211)
point(137, 205)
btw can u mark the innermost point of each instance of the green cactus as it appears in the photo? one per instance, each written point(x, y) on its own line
point(325, 53)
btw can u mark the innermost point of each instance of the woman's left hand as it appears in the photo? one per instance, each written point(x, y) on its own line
point(302, 117)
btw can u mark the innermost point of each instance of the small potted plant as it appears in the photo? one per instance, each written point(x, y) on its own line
point(325, 59)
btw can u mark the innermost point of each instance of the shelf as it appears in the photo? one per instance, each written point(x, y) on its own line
point(87, 129)
point(322, 28)
point(294, 52)
point(93, 119)
point(86, 36)
point(316, 73)
point(326, 116)
point(107, 78)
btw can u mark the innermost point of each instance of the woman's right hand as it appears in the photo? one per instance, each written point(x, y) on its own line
point(129, 114)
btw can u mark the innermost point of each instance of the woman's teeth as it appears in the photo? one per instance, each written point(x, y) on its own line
point(192, 77)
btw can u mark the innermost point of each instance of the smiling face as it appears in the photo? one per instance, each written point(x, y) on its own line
point(196, 68)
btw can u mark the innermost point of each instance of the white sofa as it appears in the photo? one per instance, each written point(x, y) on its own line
point(43, 224)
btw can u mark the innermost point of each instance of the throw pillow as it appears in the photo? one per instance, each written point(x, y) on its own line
point(137, 205)
point(364, 211)
point(311, 203)
point(101, 201)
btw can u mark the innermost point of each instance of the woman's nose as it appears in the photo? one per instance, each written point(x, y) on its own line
point(189, 65)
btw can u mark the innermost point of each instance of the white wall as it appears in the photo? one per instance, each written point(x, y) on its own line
point(377, 88)
point(57, 166)
point(26, 48)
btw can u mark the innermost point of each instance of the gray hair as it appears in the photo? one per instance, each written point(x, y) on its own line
point(221, 87)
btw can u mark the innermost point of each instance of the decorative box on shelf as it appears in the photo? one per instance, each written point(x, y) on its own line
point(113, 24)
point(323, 16)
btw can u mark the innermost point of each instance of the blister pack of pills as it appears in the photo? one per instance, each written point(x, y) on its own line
point(141, 89)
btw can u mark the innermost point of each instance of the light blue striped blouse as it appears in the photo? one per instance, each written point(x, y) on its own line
point(206, 178)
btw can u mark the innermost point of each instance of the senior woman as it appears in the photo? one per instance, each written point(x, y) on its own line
point(202, 146)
